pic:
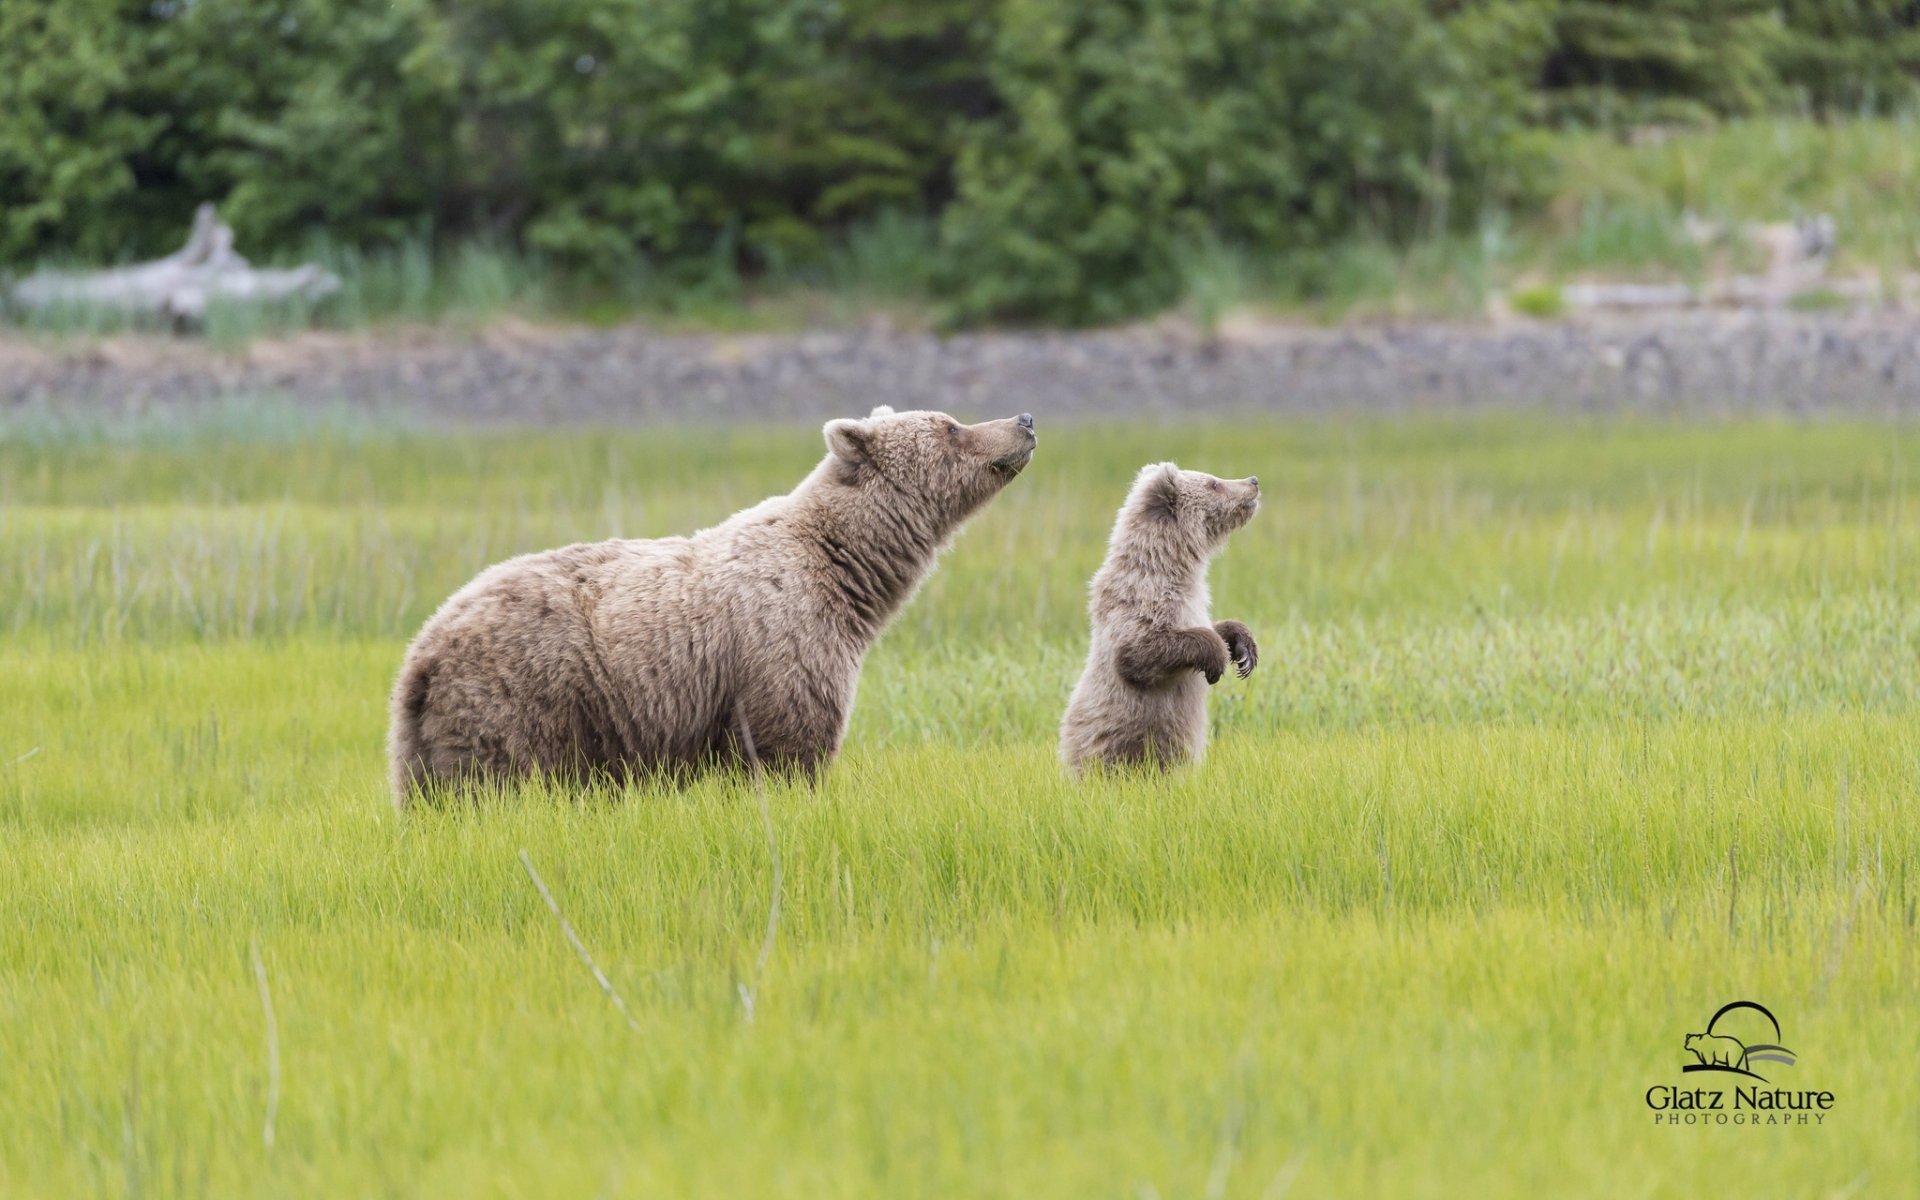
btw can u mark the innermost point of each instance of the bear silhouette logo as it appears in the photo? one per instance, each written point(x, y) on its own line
point(1724, 1052)
point(1714, 1050)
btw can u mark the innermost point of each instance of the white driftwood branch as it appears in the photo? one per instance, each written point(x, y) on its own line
point(180, 286)
point(1629, 295)
point(1798, 255)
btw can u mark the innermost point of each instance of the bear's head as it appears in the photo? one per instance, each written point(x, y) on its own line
point(931, 461)
point(1693, 1040)
point(1202, 508)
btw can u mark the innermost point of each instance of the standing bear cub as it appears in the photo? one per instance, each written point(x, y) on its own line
point(1143, 695)
point(633, 657)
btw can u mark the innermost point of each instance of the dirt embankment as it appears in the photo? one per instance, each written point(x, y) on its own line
point(516, 374)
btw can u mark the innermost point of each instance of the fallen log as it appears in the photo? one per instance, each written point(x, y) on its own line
point(1629, 295)
point(179, 287)
point(1799, 253)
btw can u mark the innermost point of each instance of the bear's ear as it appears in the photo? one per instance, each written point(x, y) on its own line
point(1159, 488)
point(849, 439)
point(880, 410)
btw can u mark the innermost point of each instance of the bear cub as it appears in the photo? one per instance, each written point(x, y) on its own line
point(1143, 696)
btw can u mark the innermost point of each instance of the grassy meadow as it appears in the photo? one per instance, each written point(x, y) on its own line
point(1565, 733)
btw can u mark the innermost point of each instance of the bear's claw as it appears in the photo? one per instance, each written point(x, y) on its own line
point(1240, 647)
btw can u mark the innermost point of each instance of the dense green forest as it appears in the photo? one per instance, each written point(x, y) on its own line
point(1067, 153)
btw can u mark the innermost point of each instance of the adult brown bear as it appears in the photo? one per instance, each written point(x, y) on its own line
point(633, 657)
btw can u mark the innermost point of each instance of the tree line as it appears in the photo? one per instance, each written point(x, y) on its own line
point(1066, 152)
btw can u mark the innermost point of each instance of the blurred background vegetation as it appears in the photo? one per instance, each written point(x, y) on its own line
point(1062, 161)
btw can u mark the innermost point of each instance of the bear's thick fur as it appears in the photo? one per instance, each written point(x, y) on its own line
point(634, 657)
point(1143, 695)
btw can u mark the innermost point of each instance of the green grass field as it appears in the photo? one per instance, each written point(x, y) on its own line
point(1564, 735)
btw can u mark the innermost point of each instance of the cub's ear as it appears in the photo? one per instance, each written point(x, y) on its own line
point(1159, 489)
point(849, 439)
point(880, 410)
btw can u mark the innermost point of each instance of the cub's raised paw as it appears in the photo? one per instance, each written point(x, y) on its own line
point(1214, 657)
point(1241, 647)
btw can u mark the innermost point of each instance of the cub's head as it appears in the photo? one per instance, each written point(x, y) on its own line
point(946, 468)
point(1201, 507)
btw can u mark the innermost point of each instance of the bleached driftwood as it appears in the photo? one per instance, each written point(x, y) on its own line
point(180, 286)
point(1629, 295)
point(1798, 255)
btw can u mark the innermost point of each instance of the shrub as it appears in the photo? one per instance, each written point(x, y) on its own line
point(601, 132)
point(70, 143)
point(1543, 302)
point(1134, 127)
point(1618, 63)
point(1851, 56)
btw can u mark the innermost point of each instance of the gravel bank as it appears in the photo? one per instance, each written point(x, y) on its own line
point(513, 375)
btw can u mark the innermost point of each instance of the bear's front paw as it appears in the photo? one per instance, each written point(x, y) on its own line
point(1213, 658)
point(1241, 647)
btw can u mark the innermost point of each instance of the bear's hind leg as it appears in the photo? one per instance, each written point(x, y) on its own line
point(406, 747)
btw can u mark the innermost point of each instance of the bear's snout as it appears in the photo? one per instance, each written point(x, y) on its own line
point(1019, 432)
